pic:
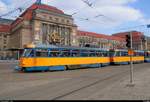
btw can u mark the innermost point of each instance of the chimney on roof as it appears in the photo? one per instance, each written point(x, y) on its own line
point(38, 2)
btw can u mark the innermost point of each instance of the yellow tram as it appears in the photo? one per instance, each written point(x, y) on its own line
point(120, 56)
point(49, 57)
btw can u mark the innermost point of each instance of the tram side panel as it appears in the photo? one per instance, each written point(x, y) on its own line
point(119, 60)
point(138, 59)
point(60, 63)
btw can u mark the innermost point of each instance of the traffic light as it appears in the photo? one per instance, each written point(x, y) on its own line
point(143, 39)
point(148, 26)
point(128, 40)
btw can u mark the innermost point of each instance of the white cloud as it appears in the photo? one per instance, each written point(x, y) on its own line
point(13, 4)
point(113, 2)
point(3, 7)
point(117, 12)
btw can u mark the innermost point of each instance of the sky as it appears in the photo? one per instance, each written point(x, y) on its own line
point(104, 16)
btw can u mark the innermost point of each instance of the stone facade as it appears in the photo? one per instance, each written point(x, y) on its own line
point(4, 33)
point(41, 25)
point(148, 43)
point(4, 37)
point(92, 39)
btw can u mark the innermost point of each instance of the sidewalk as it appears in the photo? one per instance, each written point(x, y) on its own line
point(120, 90)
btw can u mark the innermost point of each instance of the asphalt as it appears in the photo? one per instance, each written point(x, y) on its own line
point(106, 83)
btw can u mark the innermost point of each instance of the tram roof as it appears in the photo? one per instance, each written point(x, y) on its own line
point(127, 50)
point(139, 51)
point(67, 47)
point(119, 49)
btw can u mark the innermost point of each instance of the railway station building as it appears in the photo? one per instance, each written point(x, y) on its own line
point(37, 25)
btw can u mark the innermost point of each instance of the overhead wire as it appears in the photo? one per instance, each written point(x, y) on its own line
point(89, 20)
point(126, 28)
point(87, 3)
point(90, 4)
point(99, 13)
point(21, 8)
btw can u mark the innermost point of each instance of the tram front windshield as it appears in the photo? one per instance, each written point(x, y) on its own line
point(28, 53)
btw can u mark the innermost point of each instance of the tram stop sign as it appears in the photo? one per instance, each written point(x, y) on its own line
point(130, 52)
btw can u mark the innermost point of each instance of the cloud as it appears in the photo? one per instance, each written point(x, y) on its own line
point(3, 7)
point(11, 5)
point(116, 12)
point(114, 2)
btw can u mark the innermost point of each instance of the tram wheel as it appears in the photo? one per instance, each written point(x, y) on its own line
point(23, 70)
point(66, 67)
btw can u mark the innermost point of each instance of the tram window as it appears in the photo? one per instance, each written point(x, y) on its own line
point(65, 53)
point(98, 54)
point(146, 54)
point(75, 53)
point(41, 53)
point(105, 54)
point(84, 53)
point(124, 53)
point(135, 54)
point(54, 53)
point(91, 53)
point(142, 54)
point(118, 53)
point(101, 54)
point(111, 53)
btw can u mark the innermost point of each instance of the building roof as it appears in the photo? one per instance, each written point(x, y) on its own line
point(5, 21)
point(136, 35)
point(92, 34)
point(123, 34)
point(5, 28)
point(28, 13)
point(46, 7)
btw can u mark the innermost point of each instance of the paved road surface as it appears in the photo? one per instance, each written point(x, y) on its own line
point(100, 83)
